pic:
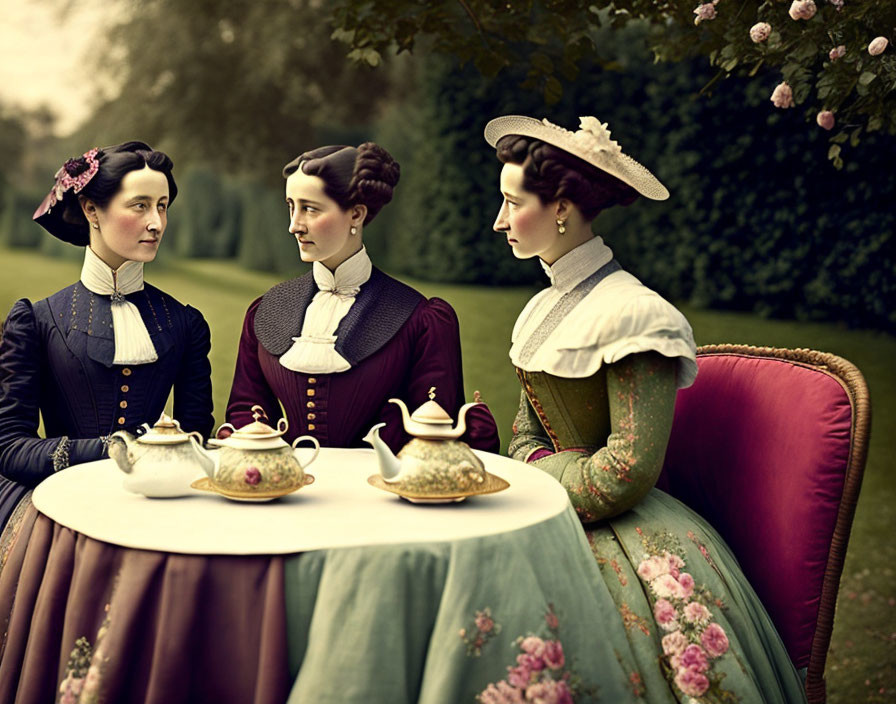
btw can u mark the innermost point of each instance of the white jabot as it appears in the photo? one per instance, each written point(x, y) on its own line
point(314, 351)
point(132, 342)
point(620, 316)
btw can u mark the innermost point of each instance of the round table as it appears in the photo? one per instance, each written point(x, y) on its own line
point(340, 592)
point(340, 509)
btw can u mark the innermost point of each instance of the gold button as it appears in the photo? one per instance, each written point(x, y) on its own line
point(121, 420)
point(310, 404)
point(310, 392)
point(125, 388)
point(312, 416)
point(126, 371)
point(311, 426)
point(123, 404)
point(312, 380)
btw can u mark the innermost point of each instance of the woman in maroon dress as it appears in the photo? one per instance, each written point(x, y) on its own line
point(333, 346)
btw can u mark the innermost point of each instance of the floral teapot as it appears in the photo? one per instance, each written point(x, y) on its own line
point(256, 464)
point(435, 462)
point(163, 461)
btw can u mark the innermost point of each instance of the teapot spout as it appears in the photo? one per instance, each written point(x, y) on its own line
point(119, 450)
point(390, 465)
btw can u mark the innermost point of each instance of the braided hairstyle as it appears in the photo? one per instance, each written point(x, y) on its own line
point(552, 173)
point(363, 175)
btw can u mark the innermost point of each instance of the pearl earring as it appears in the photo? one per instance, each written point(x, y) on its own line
point(96, 225)
point(353, 230)
point(561, 226)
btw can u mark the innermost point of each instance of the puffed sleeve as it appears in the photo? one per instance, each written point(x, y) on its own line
point(193, 385)
point(249, 385)
point(641, 390)
point(437, 363)
point(25, 457)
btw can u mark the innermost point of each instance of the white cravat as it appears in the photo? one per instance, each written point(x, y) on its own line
point(314, 351)
point(132, 342)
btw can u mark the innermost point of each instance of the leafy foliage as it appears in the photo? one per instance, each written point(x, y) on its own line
point(550, 39)
point(757, 220)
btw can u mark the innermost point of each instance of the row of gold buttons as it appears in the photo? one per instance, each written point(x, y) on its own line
point(124, 389)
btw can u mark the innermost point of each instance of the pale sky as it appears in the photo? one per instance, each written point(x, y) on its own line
point(42, 56)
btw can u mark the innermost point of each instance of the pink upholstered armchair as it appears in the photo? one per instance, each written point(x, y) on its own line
point(769, 445)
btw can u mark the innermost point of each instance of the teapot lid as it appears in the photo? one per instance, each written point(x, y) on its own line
point(431, 413)
point(166, 431)
point(257, 430)
point(257, 435)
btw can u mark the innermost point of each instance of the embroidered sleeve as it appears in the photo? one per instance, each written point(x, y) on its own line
point(529, 438)
point(641, 390)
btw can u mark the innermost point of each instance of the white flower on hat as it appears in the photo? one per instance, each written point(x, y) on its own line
point(877, 46)
point(594, 136)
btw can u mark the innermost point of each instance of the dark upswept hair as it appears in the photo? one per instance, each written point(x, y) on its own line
point(115, 163)
point(553, 173)
point(362, 175)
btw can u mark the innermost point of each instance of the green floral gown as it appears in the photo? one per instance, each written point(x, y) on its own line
point(600, 358)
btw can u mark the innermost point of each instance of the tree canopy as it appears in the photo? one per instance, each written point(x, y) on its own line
point(835, 58)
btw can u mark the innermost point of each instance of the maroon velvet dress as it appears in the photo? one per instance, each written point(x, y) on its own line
point(398, 343)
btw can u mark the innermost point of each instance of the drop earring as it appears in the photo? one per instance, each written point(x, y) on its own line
point(561, 226)
point(353, 230)
point(95, 225)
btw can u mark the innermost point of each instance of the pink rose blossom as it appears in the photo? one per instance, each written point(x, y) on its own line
point(782, 96)
point(531, 662)
point(674, 643)
point(519, 677)
point(667, 586)
point(714, 640)
point(501, 693)
point(706, 11)
point(483, 622)
point(694, 657)
point(675, 563)
point(549, 692)
point(666, 615)
point(760, 31)
point(553, 654)
point(877, 46)
point(837, 52)
point(695, 612)
point(687, 584)
point(691, 682)
point(253, 476)
point(825, 119)
point(653, 567)
point(802, 10)
point(532, 645)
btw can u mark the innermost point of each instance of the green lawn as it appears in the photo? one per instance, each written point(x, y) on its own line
point(861, 665)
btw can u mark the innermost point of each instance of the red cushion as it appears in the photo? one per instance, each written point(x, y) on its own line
point(759, 448)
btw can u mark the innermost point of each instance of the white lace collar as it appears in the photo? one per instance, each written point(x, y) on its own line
point(578, 264)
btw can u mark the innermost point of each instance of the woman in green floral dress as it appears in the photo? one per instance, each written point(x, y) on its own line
point(600, 358)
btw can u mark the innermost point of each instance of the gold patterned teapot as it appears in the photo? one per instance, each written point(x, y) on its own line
point(163, 461)
point(435, 463)
point(255, 463)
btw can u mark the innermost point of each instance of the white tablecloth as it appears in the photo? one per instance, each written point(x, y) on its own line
point(338, 510)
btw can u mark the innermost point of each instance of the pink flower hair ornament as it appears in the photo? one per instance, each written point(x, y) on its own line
point(73, 177)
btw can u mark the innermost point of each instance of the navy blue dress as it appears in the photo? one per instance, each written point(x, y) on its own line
point(56, 362)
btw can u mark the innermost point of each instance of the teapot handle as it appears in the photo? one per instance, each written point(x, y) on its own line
point(312, 439)
point(225, 426)
point(197, 436)
point(285, 424)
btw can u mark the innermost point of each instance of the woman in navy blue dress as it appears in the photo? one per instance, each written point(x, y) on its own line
point(102, 354)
